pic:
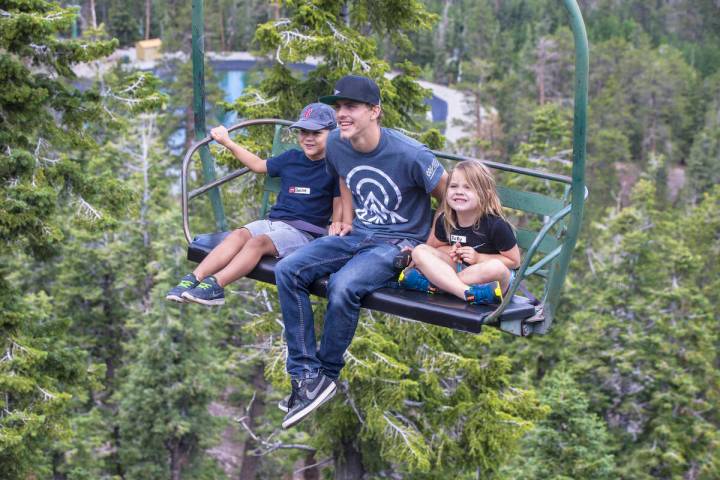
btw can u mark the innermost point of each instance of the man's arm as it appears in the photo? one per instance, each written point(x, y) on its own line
point(249, 159)
point(344, 226)
point(439, 189)
point(337, 210)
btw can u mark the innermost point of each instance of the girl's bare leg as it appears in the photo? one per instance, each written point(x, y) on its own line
point(248, 257)
point(485, 272)
point(439, 268)
point(221, 255)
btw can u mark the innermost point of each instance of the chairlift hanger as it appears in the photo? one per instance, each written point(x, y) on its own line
point(550, 252)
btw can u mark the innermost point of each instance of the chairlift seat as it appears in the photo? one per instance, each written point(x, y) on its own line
point(438, 309)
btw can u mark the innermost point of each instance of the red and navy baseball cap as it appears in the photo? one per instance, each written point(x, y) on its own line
point(356, 88)
point(316, 116)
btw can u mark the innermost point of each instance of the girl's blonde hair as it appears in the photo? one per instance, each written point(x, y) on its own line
point(483, 183)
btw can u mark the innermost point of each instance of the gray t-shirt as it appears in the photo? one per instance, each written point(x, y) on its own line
point(390, 186)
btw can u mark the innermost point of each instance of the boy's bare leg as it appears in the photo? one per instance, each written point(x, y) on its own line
point(221, 255)
point(245, 260)
point(439, 268)
point(485, 272)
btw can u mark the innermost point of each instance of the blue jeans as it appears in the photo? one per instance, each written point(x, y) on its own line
point(358, 264)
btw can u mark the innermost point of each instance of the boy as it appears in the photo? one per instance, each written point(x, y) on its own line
point(300, 213)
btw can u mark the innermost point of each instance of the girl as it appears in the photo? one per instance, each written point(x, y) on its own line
point(472, 250)
point(307, 196)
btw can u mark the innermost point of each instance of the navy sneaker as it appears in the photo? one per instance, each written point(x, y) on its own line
point(207, 292)
point(286, 402)
point(486, 293)
point(186, 283)
point(412, 279)
point(308, 395)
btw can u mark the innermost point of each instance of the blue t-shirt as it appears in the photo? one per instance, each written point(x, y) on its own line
point(390, 186)
point(306, 189)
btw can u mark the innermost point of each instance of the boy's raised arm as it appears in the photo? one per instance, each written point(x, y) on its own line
point(249, 159)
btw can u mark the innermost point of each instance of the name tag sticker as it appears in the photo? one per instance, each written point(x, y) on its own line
point(300, 190)
point(458, 239)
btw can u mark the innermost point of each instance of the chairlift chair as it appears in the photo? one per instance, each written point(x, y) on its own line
point(546, 250)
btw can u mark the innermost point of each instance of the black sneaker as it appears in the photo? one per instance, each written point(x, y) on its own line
point(207, 292)
point(286, 402)
point(308, 396)
point(186, 283)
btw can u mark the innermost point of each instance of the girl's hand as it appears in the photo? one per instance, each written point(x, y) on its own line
point(467, 255)
point(453, 252)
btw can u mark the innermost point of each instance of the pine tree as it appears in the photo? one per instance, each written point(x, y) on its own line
point(639, 326)
point(49, 182)
point(571, 442)
point(704, 161)
point(416, 400)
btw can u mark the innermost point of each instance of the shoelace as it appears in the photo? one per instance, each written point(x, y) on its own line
point(205, 286)
point(186, 283)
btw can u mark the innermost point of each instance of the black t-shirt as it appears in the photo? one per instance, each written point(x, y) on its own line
point(494, 235)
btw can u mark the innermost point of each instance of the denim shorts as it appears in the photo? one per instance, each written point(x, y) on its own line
point(286, 238)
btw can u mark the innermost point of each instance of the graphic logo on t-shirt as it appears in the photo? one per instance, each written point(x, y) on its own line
point(299, 190)
point(380, 197)
point(430, 170)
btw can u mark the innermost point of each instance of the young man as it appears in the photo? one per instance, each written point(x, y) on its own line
point(307, 197)
point(386, 178)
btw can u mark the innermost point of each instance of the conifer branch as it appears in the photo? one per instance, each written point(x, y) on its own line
point(87, 210)
point(346, 390)
point(260, 100)
point(40, 148)
point(46, 395)
point(321, 463)
point(268, 446)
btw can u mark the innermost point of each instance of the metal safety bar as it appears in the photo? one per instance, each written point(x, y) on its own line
point(185, 197)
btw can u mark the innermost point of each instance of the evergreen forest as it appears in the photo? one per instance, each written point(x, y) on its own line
point(102, 378)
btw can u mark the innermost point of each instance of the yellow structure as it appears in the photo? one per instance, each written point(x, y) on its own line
point(148, 50)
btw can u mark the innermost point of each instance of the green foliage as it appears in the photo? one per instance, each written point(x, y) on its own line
point(316, 28)
point(163, 402)
point(704, 160)
point(571, 442)
point(638, 331)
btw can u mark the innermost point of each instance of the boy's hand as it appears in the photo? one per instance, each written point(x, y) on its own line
point(339, 229)
point(220, 135)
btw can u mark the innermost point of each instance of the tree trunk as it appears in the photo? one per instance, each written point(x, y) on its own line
point(189, 127)
point(250, 463)
point(148, 12)
point(312, 473)
point(93, 16)
point(223, 44)
point(178, 457)
point(147, 133)
point(348, 461)
point(58, 459)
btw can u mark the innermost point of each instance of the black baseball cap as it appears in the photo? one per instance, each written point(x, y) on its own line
point(356, 88)
point(316, 116)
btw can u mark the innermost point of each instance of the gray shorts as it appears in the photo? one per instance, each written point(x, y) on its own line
point(286, 238)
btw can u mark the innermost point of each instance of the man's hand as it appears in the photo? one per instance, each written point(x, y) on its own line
point(220, 135)
point(339, 229)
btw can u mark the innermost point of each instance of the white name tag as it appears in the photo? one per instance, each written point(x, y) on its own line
point(300, 190)
point(458, 239)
